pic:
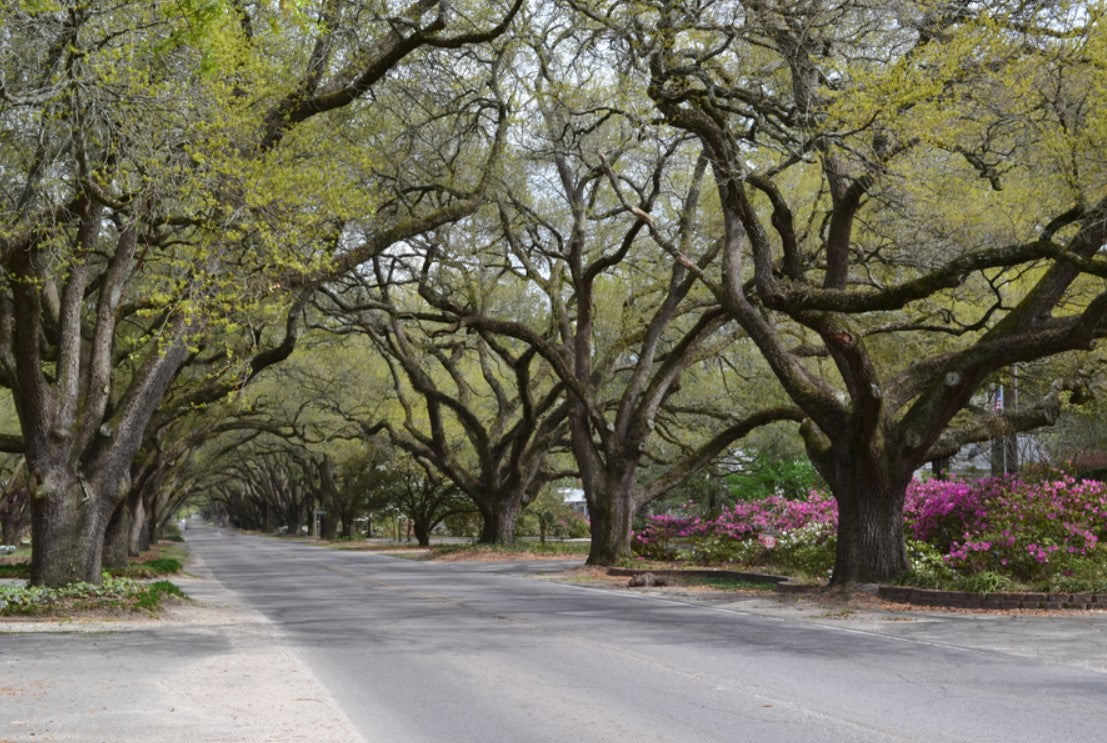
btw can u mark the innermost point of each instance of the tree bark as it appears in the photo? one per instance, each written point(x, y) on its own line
point(612, 517)
point(1005, 455)
point(328, 526)
point(499, 517)
point(10, 530)
point(67, 528)
point(139, 538)
point(117, 537)
point(870, 500)
point(422, 533)
point(348, 523)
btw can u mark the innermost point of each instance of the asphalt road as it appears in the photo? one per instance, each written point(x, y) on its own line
point(415, 651)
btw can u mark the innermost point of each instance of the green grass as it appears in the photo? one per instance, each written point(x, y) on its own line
point(16, 570)
point(729, 584)
point(151, 598)
point(150, 568)
point(521, 550)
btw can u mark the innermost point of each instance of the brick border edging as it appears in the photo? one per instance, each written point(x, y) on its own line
point(998, 600)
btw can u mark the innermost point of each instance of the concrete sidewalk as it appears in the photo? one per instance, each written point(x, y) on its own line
point(211, 670)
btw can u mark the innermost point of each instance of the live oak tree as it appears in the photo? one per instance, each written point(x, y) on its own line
point(152, 162)
point(909, 192)
point(268, 487)
point(171, 464)
point(484, 412)
point(582, 225)
point(418, 492)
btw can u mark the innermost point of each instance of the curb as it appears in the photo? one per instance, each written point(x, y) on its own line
point(904, 594)
point(998, 600)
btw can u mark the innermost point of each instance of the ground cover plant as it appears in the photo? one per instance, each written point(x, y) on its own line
point(123, 590)
point(112, 595)
point(985, 535)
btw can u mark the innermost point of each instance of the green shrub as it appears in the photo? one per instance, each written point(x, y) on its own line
point(809, 549)
point(712, 549)
point(985, 582)
point(150, 599)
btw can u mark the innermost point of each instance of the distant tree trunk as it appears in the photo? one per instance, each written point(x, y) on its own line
point(15, 514)
point(940, 468)
point(139, 539)
point(117, 536)
point(328, 526)
point(1005, 456)
point(349, 516)
point(10, 530)
point(422, 532)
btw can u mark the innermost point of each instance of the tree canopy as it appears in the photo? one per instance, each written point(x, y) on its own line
point(602, 238)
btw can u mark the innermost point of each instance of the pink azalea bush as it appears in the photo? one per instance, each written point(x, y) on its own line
point(1029, 531)
point(1034, 532)
point(749, 532)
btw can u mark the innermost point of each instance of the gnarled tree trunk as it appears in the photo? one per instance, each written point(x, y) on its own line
point(499, 516)
point(869, 489)
point(68, 523)
point(612, 517)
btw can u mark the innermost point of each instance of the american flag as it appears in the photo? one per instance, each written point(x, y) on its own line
point(999, 399)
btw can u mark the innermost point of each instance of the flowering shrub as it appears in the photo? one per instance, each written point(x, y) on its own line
point(974, 535)
point(657, 540)
point(1033, 531)
point(751, 532)
point(939, 512)
point(809, 549)
point(1041, 531)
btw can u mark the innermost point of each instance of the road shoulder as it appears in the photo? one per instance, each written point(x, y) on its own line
point(207, 670)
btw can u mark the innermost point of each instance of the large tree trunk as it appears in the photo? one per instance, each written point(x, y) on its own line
point(68, 524)
point(117, 538)
point(870, 519)
point(499, 521)
point(612, 505)
point(612, 517)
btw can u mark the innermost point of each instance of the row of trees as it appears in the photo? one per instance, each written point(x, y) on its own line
point(607, 239)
